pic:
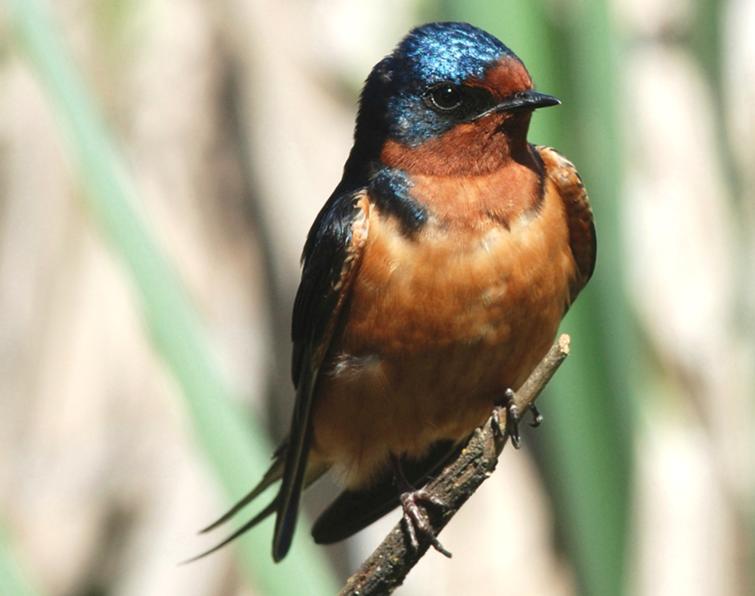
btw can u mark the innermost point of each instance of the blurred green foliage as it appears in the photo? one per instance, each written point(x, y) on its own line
point(13, 579)
point(235, 447)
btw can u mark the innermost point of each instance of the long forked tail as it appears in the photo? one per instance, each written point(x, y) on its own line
point(273, 474)
point(271, 507)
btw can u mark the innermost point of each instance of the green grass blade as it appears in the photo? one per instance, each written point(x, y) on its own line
point(13, 580)
point(234, 445)
point(595, 428)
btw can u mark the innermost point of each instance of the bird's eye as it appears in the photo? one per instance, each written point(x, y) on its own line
point(445, 97)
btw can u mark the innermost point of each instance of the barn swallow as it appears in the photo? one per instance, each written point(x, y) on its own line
point(434, 280)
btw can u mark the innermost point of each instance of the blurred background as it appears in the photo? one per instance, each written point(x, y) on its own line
point(160, 165)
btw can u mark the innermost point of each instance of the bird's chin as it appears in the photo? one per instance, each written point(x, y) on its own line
point(515, 123)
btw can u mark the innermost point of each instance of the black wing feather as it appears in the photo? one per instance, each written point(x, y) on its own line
point(331, 254)
point(325, 252)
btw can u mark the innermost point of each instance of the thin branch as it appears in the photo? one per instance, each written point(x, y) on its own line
point(388, 566)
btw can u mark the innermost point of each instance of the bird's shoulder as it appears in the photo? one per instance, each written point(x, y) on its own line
point(582, 238)
point(332, 251)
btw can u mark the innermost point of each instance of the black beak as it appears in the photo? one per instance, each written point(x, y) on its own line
point(525, 100)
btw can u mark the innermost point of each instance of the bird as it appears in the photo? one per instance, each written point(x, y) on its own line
point(434, 279)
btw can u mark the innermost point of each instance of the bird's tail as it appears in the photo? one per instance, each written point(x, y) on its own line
point(273, 474)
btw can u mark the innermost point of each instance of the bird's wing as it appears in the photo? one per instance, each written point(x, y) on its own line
point(582, 239)
point(354, 510)
point(331, 258)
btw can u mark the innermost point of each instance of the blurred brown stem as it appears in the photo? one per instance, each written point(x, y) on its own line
point(389, 564)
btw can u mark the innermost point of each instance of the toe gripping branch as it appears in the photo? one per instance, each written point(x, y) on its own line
point(513, 417)
point(416, 520)
point(414, 503)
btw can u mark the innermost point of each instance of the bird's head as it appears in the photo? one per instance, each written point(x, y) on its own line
point(449, 97)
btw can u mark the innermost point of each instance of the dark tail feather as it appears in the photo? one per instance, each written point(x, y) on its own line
point(247, 526)
point(354, 510)
point(274, 472)
point(288, 498)
point(313, 473)
point(295, 468)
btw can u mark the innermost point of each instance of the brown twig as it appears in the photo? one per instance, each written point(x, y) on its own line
point(389, 564)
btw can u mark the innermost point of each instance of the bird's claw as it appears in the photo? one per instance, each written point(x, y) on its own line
point(513, 416)
point(495, 422)
point(416, 520)
point(537, 417)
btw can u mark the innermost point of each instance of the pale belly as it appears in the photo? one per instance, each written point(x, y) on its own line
point(438, 328)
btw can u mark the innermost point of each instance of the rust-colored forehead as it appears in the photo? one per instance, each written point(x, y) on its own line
point(507, 76)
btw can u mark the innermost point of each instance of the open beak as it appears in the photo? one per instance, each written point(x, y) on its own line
point(526, 100)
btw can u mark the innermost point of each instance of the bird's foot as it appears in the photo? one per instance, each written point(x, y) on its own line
point(513, 416)
point(537, 417)
point(416, 520)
